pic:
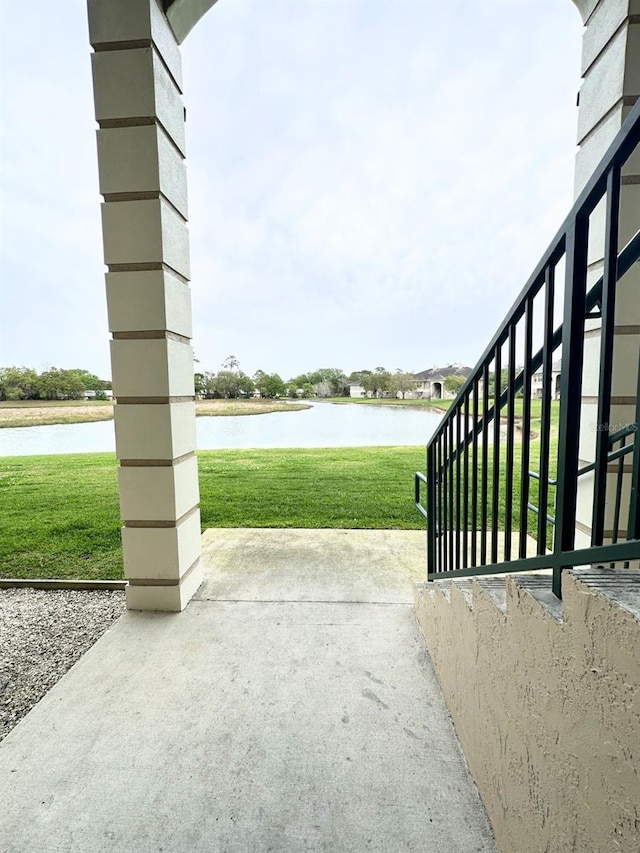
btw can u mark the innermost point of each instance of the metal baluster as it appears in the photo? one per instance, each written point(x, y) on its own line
point(618, 501)
point(495, 456)
point(439, 501)
point(570, 394)
point(474, 480)
point(452, 564)
point(431, 509)
point(633, 525)
point(458, 490)
point(485, 464)
point(609, 283)
point(511, 415)
point(445, 495)
point(465, 504)
point(526, 428)
point(545, 420)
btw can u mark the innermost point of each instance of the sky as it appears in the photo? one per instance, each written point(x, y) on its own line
point(370, 182)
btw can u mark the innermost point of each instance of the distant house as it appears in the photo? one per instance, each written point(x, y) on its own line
point(91, 394)
point(430, 383)
point(356, 390)
point(536, 381)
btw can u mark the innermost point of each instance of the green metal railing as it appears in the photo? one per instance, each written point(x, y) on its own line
point(487, 490)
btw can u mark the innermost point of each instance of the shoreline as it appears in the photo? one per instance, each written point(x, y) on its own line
point(54, 414)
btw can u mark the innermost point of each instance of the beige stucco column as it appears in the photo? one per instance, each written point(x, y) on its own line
point(141, 149)
point(610, 88)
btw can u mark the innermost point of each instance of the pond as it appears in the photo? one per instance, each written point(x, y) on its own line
point(323, 425)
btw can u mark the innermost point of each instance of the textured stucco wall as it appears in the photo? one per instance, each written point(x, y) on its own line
point(547, 712)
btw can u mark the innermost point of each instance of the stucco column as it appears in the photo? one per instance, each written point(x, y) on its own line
point(610, 88)
point(141, 148)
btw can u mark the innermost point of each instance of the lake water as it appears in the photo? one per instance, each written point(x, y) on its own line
point(323, 425)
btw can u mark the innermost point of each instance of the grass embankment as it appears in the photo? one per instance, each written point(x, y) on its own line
point(427, 405)
point(59, 515)
point(442, 406)
point(27, 413)
point(217, 408)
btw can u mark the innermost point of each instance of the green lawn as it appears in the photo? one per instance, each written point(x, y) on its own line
point(59, 515)
point(441, 405)
point(51, 404)
point(444, 406)
point(534, 465)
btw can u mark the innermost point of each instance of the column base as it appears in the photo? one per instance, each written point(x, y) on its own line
point(170, 599)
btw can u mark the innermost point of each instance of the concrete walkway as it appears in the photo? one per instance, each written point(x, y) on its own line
point(292, 707)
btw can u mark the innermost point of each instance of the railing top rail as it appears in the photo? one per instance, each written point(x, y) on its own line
point(615, 156)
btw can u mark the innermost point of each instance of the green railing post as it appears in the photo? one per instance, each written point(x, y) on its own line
point(432, 531)
point(570, 394)
point(607, 332)
point(445, 478)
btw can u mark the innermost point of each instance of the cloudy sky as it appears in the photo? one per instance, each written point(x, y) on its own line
point(370, 182)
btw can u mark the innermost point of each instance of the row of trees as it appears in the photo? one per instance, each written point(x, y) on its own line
point(24, 383)
point(381, 382)
point(324, 382)
point(231, 382)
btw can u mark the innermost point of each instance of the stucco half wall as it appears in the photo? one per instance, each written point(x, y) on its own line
point(545, 698)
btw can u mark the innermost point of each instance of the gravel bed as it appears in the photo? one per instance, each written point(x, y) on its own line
point(42, 634)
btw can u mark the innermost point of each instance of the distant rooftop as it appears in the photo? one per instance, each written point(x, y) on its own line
point(438, 373)
point(556, 367)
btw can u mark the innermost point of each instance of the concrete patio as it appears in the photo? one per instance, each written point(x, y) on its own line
point(291, 707)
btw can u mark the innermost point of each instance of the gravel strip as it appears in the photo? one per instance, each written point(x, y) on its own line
point(42, 634)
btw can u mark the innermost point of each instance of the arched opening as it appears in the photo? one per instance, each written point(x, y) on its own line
point(436, 390)
point(327, 185)
point(224, 277)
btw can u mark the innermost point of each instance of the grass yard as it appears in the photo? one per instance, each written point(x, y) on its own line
point(28, 413)
point(59, 515)
point(444, 406)
point(252, 406)
point(429, 405)
point(51, 404)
